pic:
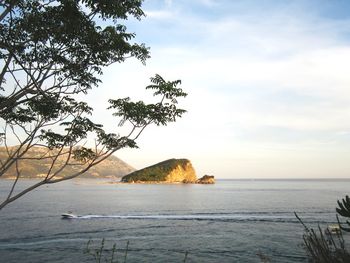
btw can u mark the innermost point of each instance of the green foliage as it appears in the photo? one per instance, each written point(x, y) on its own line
point(344, 211)
point(157, 172)
point(140, 114)
point(63, 44)
point(325, 246)
point(83, 154)
point(50, 52)
point(67, 34)
point(166, 88)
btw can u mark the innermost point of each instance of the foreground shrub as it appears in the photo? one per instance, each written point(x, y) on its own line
point(328, 246)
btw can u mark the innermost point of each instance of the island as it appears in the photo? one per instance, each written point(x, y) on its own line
point(206, 179)
point(169, 171)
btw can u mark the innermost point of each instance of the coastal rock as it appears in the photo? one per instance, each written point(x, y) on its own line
point(169, 171)
point(206, 179)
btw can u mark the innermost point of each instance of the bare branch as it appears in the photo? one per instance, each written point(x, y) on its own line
point(4, 69)
point(18, 173)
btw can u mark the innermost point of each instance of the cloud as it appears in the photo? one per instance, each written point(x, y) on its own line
point(264, 88)
point(208, 3)
point(168, 3)
point(305, 62)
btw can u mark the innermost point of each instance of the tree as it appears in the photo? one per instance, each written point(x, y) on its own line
point(52, 50)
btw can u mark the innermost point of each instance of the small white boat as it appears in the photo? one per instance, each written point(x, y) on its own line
point(333, 229)
point(68, 216)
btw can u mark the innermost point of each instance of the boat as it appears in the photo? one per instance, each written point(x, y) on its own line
point(68, 215)
point(333, 229)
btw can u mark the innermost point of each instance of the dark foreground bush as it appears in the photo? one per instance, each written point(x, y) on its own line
point(325, 246)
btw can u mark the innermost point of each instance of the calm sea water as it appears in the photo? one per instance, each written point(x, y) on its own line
point(230, 221)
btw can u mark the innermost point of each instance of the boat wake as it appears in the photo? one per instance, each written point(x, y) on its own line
point(236, 217)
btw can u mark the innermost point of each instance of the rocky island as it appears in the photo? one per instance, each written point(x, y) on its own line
point(206, 179)
point(169, 171)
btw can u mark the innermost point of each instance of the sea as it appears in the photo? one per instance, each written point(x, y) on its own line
point(230, 221)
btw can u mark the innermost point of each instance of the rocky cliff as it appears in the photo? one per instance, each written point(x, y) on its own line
point(169, 171)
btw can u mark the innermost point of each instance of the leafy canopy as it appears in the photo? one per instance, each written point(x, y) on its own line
point(53, 50)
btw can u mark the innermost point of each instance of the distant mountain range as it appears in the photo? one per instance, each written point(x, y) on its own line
point(112, 167)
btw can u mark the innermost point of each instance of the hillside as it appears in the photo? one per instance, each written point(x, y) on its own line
point(109, 168)
point(169, 171)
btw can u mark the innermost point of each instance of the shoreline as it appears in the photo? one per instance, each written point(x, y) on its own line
point(148, 182)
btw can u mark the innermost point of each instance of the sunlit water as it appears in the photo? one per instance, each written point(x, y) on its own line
point(230, 221)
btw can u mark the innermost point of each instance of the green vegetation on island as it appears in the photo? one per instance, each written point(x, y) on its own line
point(171, 171)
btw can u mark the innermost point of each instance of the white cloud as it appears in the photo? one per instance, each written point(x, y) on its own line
point(268, 95)
point(168, 3)
point(209, 3)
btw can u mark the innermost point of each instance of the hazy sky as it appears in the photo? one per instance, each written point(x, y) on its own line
point(268, 84)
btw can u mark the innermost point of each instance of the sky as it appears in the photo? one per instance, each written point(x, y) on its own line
point(268, 86)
